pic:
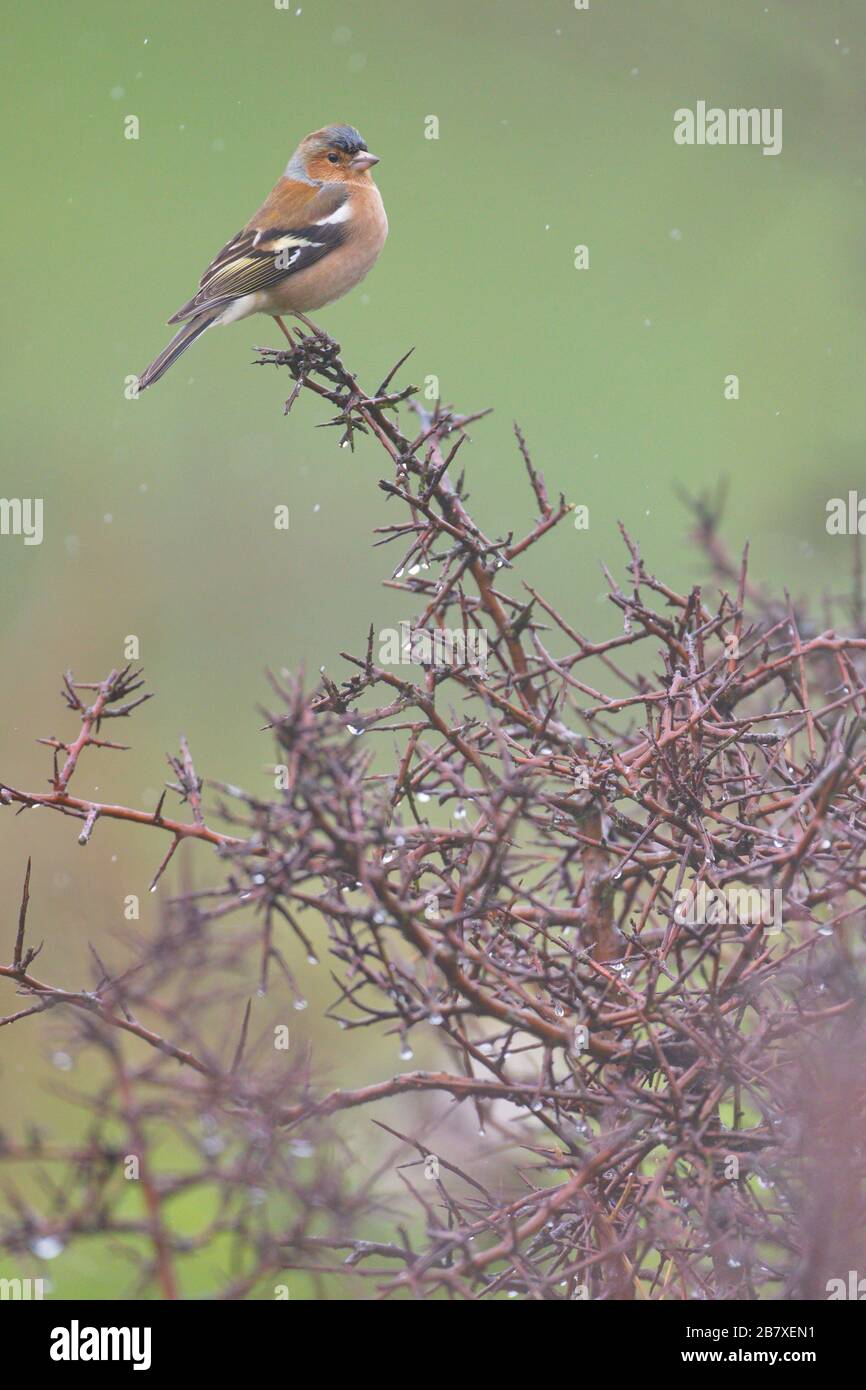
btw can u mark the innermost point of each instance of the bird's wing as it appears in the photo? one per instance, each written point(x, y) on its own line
point(294, 228)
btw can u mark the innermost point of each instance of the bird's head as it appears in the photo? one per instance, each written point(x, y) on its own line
point(335, 154)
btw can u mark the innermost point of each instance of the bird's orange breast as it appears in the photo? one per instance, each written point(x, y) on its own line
point(341, 269)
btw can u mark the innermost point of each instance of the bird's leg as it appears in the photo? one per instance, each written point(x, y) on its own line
point(284, 331)
point(317, 332)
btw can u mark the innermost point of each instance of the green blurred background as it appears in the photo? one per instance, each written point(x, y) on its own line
point(555, 129)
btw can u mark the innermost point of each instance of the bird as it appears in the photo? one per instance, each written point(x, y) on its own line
point(316, 235)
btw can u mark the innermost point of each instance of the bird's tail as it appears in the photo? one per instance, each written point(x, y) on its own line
point(179, 343)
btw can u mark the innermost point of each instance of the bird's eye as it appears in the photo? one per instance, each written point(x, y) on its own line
point(334, 158)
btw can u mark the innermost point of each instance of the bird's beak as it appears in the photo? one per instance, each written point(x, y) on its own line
point(364, 160)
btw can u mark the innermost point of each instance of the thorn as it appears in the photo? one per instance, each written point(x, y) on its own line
point(242, 1040)
point(22, 918)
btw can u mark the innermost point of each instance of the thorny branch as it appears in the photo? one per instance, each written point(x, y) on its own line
point(615, 886)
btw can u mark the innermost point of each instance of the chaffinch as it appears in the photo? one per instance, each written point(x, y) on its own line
point(317, 234)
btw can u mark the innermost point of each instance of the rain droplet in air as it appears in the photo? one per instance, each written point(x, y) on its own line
point(46, 1247)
